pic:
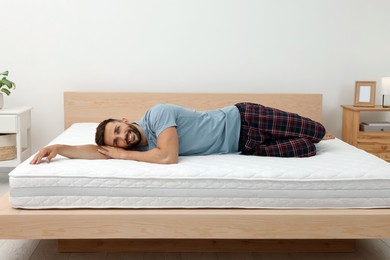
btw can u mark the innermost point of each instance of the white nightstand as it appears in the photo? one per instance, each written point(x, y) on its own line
point(17, 121)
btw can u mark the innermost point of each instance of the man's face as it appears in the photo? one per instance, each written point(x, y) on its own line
point(121, 134)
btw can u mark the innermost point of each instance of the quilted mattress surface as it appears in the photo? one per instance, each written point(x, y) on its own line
point(339, 176)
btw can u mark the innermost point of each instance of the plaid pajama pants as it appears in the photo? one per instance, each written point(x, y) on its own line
point(268, 131)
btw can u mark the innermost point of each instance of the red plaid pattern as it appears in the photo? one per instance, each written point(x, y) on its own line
point(268, 131)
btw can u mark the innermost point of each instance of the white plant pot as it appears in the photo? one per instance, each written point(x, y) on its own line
point(1, 100)
point(7, 147)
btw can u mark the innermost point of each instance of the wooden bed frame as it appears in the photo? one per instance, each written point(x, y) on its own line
point(191, 229)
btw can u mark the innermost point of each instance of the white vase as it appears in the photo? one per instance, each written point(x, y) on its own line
point(1, 100)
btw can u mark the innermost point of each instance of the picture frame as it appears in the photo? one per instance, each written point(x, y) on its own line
point(364, 94)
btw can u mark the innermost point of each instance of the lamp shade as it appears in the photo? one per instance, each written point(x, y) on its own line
point(386, 86)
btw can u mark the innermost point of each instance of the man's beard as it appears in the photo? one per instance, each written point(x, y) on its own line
point(136, 132)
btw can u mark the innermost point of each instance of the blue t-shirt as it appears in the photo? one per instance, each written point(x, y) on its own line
point(200, 132)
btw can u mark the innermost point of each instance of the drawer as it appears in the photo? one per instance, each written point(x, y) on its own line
point(375, 148)
point(8, 124)
point(382, 150)
point(365, 137)
point(384, 156)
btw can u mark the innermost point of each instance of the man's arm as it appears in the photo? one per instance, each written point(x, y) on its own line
point(89, 151)
point(166, 151)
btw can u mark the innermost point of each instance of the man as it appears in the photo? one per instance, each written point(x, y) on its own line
point(167, 131)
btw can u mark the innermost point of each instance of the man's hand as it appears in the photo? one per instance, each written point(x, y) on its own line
point(166, 151)
point(49, 152)
point(112, 152)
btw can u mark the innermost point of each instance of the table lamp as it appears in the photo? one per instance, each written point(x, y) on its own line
point(386, 91)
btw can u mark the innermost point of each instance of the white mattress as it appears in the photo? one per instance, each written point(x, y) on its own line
point(339, 176)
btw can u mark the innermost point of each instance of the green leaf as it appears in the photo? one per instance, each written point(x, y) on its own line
point(5, 73)
point(6, 91)
point(8, 83)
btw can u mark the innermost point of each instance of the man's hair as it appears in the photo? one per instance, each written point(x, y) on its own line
point(99, 136)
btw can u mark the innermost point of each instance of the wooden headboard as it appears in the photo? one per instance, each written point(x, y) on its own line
point(97, 106)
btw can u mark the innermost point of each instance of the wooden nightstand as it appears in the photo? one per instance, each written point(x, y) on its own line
point(17, 121)
point(377, 143)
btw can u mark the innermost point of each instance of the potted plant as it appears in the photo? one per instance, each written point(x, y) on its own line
point(5, 86)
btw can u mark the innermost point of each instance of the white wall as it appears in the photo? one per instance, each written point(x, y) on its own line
point(321, 46)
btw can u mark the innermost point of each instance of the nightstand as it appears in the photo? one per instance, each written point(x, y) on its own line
point(377, 143)
point(17, 121)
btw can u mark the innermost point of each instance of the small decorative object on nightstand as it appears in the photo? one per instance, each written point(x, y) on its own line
point(375, 142)
point(15, 123)
point(386, 92)
point(364, 93)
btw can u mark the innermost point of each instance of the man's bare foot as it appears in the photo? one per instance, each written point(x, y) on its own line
point(328, 136)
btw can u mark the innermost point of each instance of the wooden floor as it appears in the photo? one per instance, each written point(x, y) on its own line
point(376, 249)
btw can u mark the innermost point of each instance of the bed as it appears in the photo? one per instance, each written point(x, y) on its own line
point(192, 229)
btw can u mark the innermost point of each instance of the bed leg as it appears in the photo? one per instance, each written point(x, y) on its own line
point(206, 245)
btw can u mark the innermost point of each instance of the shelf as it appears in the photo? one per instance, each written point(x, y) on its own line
point(9, 163)
point(374, 134)
point(366, 109)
